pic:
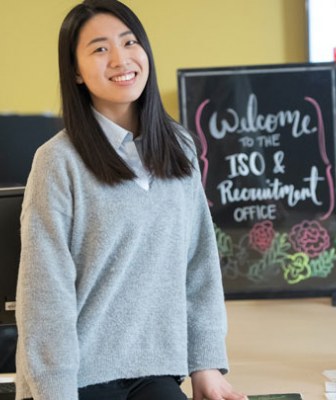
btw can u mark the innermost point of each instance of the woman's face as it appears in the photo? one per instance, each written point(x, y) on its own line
point(111, 63)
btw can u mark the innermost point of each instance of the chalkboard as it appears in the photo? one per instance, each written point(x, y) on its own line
point(20, 136)
point(267, 157)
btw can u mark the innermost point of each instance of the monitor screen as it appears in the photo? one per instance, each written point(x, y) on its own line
point(10, 210)
point(20, 136)
point(8, 341)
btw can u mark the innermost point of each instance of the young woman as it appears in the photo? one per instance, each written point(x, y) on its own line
point(119, 291)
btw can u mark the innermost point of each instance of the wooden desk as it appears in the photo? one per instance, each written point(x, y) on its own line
point(278, 346)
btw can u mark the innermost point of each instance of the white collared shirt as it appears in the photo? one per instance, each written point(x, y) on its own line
point(126, 147)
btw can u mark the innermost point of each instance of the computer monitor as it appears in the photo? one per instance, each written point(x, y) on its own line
point(8, 341)
point(20, 136)
point(10, 210)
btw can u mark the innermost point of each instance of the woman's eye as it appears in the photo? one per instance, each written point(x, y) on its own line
point(100, 50)
point(131, 42)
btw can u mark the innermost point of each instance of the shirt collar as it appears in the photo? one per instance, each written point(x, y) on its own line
point(115, 134)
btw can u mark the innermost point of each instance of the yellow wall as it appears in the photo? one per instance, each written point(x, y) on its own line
point(183, 33)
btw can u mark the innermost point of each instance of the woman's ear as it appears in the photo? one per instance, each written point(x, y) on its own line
point(79, 79)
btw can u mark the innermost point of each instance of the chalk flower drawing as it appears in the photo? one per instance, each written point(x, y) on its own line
point(261, 235)
point(309, 237)
point(303, 253)
point(297, 269)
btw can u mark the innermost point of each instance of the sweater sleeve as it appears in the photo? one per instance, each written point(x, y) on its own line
point(48, 355)
point(207, 323)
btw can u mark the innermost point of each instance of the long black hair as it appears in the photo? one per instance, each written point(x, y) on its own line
point(162, 152)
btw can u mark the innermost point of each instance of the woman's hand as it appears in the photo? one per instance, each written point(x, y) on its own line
point(211, 385)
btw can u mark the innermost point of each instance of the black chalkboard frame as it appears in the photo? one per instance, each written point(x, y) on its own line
point(190, 94)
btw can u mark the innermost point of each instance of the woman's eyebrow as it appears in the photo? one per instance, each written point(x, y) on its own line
point(104, 38)
point(129, 32)
point(97, 39)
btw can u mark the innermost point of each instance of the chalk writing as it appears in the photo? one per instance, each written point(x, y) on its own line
point(243, 164)
point(254, 122)
point(255, 211)
point(279, 167)
point(272, 190)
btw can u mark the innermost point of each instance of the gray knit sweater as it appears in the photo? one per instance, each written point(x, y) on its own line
point(114, 282)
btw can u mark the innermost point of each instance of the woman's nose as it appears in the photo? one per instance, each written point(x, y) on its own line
point(118, 57)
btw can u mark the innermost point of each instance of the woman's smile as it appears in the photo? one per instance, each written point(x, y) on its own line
point(125, 78)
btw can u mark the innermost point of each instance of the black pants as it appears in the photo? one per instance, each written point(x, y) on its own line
point(151, 388)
